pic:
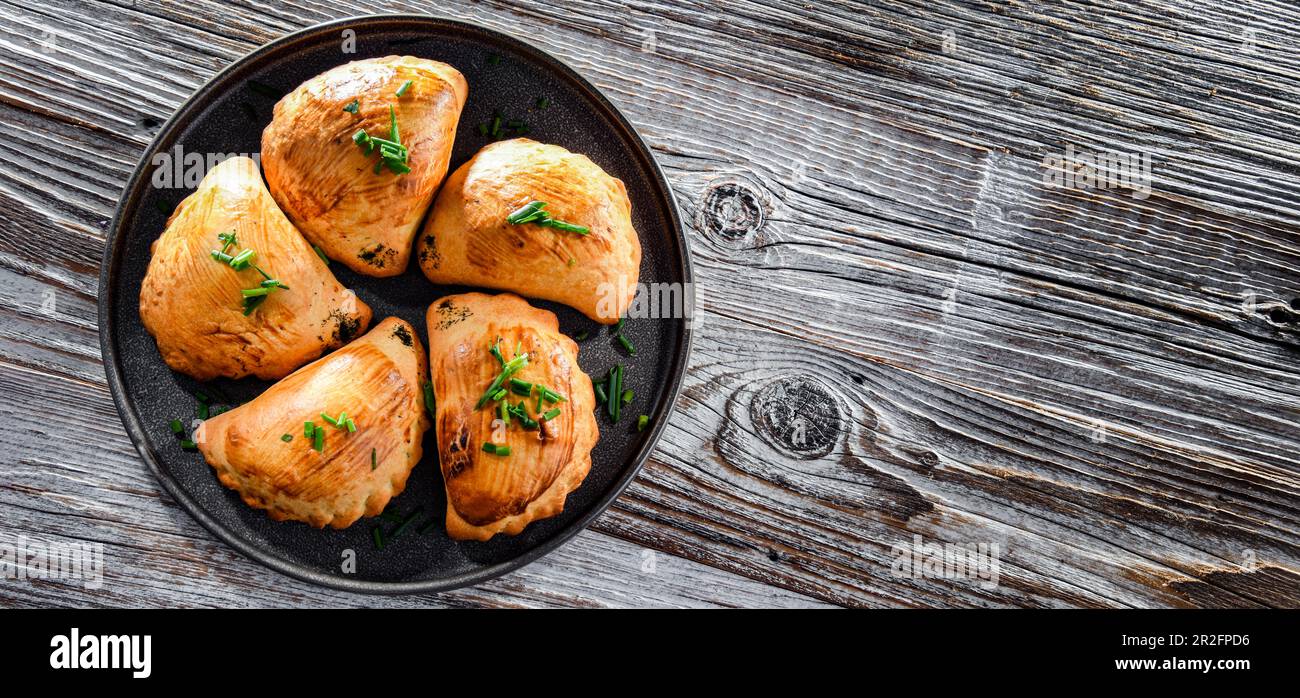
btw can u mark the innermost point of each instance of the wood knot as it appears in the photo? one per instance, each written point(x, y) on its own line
point(798, 416)
point(731, 209)
point(1280, 314)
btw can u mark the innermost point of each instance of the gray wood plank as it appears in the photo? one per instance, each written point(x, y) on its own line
point(1075, 375)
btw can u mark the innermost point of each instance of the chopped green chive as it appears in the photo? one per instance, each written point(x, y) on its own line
point(610, 392)
point(572, 261)
point(496, 351)
point(483, 129)
point(503, 450)
point(392, 153)
point(175, 426)
point(614, 390)
point(618, 326)
point(353, 107)
point(523, 388)
point(628, 395)
point(352, 426)
point(202, 396)
point(581, 335)
point(500, 394)
point(509, 369)
point(489, 447)
point(551, 414)
point(503, 411)
point(189, 445)
point(203, 410)
point(252, 297)
point(286, 437)
point(642, 421)
point(526, 213)
point(308, 430)
point(534, 212)
point(552, 396)
point(378, 536)
point(567, 227)
point(374, 460)
point(627, 344)
point(520, 411)
point(401, 91)
point(318, 437)
point(250, 304)
point(406, 522)
point(329, 420)
point(428, 397)
point(543, 102)
point(228, 240)
point(600, 393)
point(321, 253)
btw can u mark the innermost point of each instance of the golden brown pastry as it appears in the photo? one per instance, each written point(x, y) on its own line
point(328, 185)
point(377, 381)
point(467, 239)
point(490, 493)
point(194, 306)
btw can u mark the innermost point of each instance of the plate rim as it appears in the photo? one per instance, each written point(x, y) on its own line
point(111, 258)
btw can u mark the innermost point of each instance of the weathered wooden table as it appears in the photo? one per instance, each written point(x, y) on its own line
point(1102, 382)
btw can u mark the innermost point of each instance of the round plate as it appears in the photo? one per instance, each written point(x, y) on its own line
point(227, 115)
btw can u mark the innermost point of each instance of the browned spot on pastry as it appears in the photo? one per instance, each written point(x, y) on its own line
point(449, 314)
point(403, 335)
point(429, 255)
point(345, 327)
point(378, 256)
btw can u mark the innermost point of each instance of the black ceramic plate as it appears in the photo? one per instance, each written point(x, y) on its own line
point(227, 115)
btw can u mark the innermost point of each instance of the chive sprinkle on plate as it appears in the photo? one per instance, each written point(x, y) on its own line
point(627, 344)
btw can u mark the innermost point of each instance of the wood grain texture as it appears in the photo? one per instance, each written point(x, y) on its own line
point(1103, 385)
